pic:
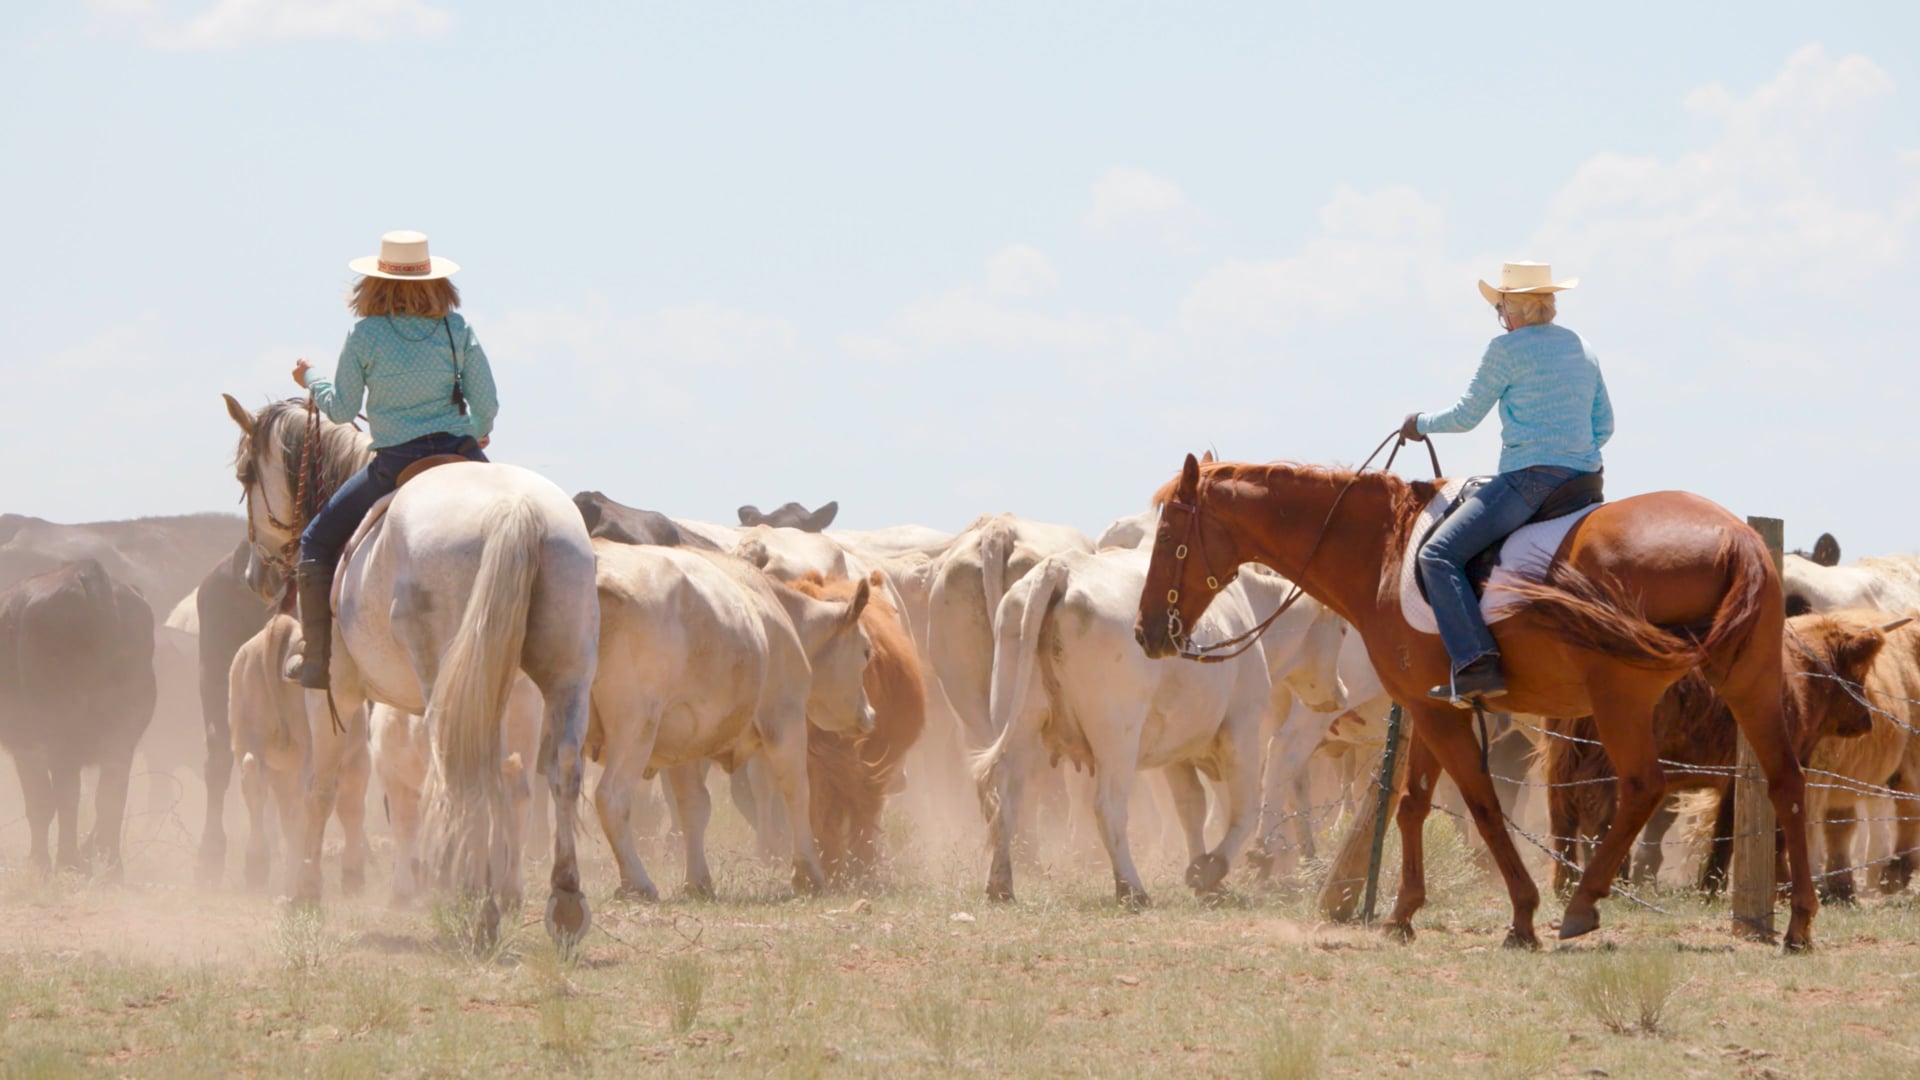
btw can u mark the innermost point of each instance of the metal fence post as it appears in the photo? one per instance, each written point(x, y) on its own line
point(1389, 760)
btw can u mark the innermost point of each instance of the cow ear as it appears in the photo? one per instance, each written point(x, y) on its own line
point(861, 594)
point(1826, 550)
point(749, 515)
point(1854, 657)
point(1208, 458)
point(821, 518)
point(239, 413)
point(876, 579)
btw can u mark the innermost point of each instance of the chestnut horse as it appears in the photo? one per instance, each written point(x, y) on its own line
point(1642, 590)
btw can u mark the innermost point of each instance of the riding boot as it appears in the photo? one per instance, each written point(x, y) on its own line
point(1478, 678)
point(316, 623)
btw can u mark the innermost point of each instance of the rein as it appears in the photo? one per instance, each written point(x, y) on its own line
point(1216, 652)
point(306, 503)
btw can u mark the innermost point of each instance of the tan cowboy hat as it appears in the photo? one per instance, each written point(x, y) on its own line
point(1520, 277)
point(403, 257)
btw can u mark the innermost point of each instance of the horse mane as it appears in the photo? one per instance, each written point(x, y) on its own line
point(1403, 498)
point(343, 449)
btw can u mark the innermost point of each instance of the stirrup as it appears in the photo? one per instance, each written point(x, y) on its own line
point(1483, 682)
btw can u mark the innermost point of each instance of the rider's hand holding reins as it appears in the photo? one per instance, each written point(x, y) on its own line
point(300, 369)
point(1409, 429)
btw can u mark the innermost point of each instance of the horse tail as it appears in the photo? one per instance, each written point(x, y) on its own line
point(468, 702)
point(1016, 652)
point(1598, 616)
point(1749, 567)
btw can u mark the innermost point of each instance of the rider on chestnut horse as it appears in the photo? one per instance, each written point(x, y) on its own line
point(1554, 418)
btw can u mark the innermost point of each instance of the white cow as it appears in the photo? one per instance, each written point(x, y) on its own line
point(402, 755)
point(1107, 708)
point(704, 656)
point(1886, 582)
point(292, 754)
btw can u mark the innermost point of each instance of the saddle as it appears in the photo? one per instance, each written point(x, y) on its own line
point(1569, 498)
point(379, 511)
point(432, 462)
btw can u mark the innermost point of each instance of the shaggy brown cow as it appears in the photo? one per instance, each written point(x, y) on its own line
point(1694, 728)
point(1887, 757)
point(76, 690)
point(852, 775)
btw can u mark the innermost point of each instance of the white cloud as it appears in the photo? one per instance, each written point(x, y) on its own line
point(1777, 193)
point(1134, 203)
point(229, 24)
point(1019, 270)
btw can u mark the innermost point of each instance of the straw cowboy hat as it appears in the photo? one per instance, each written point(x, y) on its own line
point(403, 257)
point(1515, 277)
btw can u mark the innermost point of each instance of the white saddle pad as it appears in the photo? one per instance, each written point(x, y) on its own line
point(1524, 556)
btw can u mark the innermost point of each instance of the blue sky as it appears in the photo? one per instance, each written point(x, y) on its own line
point(938, 260)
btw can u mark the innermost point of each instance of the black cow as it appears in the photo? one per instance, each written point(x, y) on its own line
point(613, 521)
point(76, 690)
point(791, 516)
point(231, 611)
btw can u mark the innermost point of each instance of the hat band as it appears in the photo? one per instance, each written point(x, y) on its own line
point(405, 268)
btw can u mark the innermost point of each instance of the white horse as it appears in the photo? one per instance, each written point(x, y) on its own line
point(473, 573)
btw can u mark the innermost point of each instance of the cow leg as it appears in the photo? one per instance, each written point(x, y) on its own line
point(1240, 764)
point(351, 808)
point(66, 809)
point(621, 764)
point(769, 828)
point(36, 786)
point(110, 810)
point(403, 811)
point(1651, 852)
point(1189, 796)
point(324, 756)
point(255, 794)
point(687, 787)
point(1563, 821)
point(219, 769)
point(1898, 872)
point(1423, 771)
point(1288, 753)
point(1625, 727)
point(1836, 885)
point(1112, 788)
point(511, 825)
point(785, 747)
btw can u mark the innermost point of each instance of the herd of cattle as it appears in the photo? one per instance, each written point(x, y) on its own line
point(968, 665)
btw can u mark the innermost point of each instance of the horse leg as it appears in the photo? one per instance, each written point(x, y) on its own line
point(1455, 747)
point(567, 916)
point(1423, 771)
point(1624, 722)
point(403, 811)
point(351, 807)
point(1563, 821)
point(688, 789)
point(509, 824)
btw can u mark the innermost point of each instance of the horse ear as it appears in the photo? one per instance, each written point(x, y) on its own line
point(1190, 478)
point(1826, 550)
point(239, 413)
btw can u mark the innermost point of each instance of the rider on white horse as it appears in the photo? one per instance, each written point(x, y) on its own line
point(428, 391)
point(1554, 418)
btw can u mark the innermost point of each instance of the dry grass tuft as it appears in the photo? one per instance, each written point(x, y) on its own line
point(1289, 1051)
point(1630, 993)
point(683, 987)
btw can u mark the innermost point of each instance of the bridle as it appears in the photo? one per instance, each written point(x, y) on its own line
point(306, 499)
point(1193, 543)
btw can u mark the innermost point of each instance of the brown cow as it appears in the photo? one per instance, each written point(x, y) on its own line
point(1887, 757)
point(852, 775)
point(1694, 728)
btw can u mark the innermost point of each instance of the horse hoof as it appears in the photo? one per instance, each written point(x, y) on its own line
point(1401, 932)
point(1798, 946)
point(1132, 899)
point(567, 918)
point(1575, 923)
point(1205, 873)
point(700, 890)
point(808, 882)
point(640, 894)
point(999, 893)
point(486, 930)
point(1517, 940)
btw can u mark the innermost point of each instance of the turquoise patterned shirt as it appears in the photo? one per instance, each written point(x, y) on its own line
point(403, 365)
point(1553, 403)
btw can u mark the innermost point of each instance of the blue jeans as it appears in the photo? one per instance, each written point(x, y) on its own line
point(1493, 513)
point(333, 526)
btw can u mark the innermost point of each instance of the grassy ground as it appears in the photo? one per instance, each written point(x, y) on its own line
point(157, 979)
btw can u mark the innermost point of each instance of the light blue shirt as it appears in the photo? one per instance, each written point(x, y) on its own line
point(403, 365)
point(1553, 403)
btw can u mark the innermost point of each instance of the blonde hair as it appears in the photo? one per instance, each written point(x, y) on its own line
point(393, 296)
point(1526, 309)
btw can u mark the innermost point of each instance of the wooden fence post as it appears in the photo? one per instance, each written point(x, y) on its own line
point(1348, 878)
point(1753, 824)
